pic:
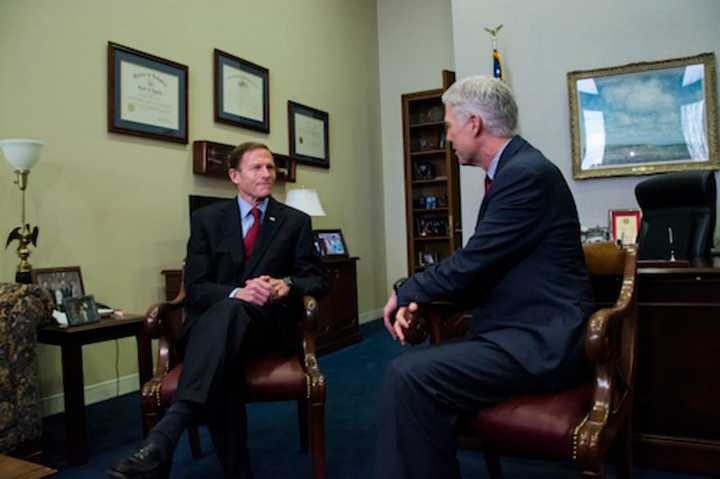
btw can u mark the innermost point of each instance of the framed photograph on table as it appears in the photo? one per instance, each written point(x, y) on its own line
point(308, 131)
point(242, 92)
point(147, 95)
point(81, 310)
point(644, 118)
point(624, 225)
point(63, 282)
point(330, 243)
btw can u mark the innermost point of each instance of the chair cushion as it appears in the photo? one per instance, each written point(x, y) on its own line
point(270, 378)
point(539, 425)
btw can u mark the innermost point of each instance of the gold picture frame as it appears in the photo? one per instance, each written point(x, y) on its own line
point(644, 118)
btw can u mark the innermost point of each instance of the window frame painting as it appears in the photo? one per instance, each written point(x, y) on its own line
point(644, 118)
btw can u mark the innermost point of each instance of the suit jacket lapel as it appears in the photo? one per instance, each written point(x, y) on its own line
point(515, 144)
point(232, 233)
point(274, 216)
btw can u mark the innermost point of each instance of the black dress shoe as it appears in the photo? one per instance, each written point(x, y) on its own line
point(150, 461)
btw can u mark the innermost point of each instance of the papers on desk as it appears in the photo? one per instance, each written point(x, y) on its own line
point(61, 318)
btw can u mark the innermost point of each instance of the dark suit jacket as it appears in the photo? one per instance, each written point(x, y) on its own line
point(215, 263)
point(523, 270)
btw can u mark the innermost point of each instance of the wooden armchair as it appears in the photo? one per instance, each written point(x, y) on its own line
point(272, 377)
point(581, 423)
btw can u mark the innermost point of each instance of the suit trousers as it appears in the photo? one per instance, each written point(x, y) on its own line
point(424, 393)
point(213, 375)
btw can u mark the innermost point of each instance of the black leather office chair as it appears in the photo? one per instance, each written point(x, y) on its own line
point(677, 208)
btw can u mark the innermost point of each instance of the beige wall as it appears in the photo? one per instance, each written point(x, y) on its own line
point(415, 39)
point(117, 205)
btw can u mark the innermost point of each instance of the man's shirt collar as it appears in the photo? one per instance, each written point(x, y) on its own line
point(496, 158)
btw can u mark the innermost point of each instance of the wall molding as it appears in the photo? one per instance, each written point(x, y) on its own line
point(55, 403)
point(370, 315)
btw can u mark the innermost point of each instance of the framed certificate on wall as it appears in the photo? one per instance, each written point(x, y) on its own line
point(147, 95)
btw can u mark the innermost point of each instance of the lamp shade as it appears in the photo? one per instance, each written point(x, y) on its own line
point(305, 200)
point(21, 154)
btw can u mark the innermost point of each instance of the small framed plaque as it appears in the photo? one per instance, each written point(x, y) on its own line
point(147, 95)
point(308, 131)
point(624, 225)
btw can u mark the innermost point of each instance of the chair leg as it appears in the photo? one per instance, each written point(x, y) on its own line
point(194, 439)
point(302, 406)
point(317, 438)
point(492, 461)
point(624, 466)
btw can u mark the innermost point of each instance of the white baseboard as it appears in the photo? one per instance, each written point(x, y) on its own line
point(370, 315)
point(94, 393)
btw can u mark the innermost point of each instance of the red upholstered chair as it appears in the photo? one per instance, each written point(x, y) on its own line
point(272, 377)
point(578, 424)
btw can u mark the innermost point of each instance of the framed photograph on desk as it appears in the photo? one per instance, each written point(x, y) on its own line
point(62, 282)
point(81, 310)
point(330, 243)
point(624, 225)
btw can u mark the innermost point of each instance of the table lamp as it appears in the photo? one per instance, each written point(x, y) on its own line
point(22, 155)
point(305, 200)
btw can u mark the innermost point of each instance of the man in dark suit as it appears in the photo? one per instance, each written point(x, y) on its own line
point(249, 262)
point(522, 271)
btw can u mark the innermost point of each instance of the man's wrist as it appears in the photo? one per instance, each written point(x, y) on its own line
point(288, 282)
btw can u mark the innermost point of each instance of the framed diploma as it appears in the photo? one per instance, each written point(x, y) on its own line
point(308, 130)
point(242, 92)
point(624, 225)
point(147, 95)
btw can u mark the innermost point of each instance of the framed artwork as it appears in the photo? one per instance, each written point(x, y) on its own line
point(644, 118)
point(330, 243)
point(63, 282)
point(242, 92)
point(624, 225)
point(147, 95)
point(308, 131)
point(81, 310)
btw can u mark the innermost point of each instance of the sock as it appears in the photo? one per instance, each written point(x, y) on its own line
point(167, 432)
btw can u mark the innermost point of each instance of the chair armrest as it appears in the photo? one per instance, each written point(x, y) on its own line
point(157, 316)
point(441, 320)
point(316, 380)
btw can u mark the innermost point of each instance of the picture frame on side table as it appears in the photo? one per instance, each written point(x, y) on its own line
point(644, 118)
point(624, 225)
point(81, 310)
point(62, 282)
point(147, 95)
point(308, 131)
point(242, 92)
point(331, 243)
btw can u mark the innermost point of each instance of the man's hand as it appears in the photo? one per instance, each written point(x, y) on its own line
point(403, 318)
point(257, 291)
point(280, 289)
point(389, 312)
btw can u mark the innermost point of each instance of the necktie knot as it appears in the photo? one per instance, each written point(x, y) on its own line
point(255, 212)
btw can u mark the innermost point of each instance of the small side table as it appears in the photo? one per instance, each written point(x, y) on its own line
point(71, 341)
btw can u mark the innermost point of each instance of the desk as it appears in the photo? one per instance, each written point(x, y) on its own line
point(677, 400)
point(71, 341)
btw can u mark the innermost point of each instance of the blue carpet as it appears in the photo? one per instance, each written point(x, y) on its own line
point(353, 376)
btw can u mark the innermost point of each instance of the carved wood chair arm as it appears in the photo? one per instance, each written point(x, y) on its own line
point(157, 314)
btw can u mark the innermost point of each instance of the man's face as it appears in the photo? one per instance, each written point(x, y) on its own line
point(255, 175)
point(462, 136)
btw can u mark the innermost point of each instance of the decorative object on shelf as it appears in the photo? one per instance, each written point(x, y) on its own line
point(424, 171)
point(432, 226)
point(594, 234)
point(644, 118)
point(62, 282)
point(242, 92)
point(306, 200)
point(147, 95)
point(81, 310)
point(209, 160)
point(497, 60)
point(308, 131)
point(330, 243)
point(427, 258)
point(22, 156)
point(624, 225)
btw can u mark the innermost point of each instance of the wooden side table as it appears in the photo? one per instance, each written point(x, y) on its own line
point(71, 340)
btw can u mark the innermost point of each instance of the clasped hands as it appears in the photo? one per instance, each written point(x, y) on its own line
point(404, 317)
point(262, 290)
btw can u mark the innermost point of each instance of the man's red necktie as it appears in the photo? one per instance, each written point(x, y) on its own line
point(488, 182)
point(252, 233)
